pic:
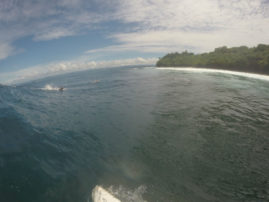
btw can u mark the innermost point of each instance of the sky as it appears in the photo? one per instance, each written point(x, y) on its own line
point(45, 37)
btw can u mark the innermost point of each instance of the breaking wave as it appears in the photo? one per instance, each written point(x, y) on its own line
point(51, 87)
point(192, 69)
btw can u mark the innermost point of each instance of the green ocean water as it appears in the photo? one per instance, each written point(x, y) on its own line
point(142, 133)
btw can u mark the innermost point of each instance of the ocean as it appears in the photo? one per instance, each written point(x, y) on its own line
point(144, 134)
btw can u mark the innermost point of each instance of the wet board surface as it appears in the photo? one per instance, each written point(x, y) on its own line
point(99, 194)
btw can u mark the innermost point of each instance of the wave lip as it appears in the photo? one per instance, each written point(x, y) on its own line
point(193, 69)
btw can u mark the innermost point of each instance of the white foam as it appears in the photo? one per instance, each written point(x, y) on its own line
point(50, 87)
point(193, 69)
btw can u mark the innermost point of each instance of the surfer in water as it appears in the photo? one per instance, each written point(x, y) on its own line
point(61, 89)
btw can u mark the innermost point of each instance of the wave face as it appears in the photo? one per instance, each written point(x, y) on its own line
point(140, 133)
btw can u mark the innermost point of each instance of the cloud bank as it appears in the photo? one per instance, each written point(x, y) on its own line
point(45, 20)
point(68, 66)
point(177, 25)
point(156, 26)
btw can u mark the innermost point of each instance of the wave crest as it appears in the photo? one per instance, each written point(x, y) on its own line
point(193, 69)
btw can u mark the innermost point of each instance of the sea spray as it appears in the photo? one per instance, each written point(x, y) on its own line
point(50, 87)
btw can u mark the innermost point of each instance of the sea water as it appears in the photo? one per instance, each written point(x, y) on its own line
point(143, 134)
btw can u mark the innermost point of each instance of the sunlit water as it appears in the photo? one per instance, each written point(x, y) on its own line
point(143, 134)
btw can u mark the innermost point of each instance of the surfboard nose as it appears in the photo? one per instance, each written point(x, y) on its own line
point(99, 194)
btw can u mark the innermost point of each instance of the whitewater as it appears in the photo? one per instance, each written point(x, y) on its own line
point(205, 70)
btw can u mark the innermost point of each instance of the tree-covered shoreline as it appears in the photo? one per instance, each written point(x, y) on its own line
point(255, 59)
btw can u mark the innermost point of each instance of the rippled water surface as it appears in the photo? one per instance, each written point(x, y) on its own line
point(144, 134)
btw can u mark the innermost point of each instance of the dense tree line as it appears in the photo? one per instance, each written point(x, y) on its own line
point(241, 58)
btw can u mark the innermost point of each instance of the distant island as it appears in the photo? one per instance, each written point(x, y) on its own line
point(255, 60)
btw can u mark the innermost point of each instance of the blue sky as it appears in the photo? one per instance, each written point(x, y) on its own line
point(44, 37)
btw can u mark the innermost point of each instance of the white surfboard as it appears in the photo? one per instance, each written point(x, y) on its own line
point(99, 194)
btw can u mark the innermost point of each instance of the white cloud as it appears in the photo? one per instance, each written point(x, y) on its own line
point(175, 25)
point(5, 50)
point(68, 66)
point(178, 14)
point(177, 40)
point(44, 20)
point(70, 3)
point(53, 34)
